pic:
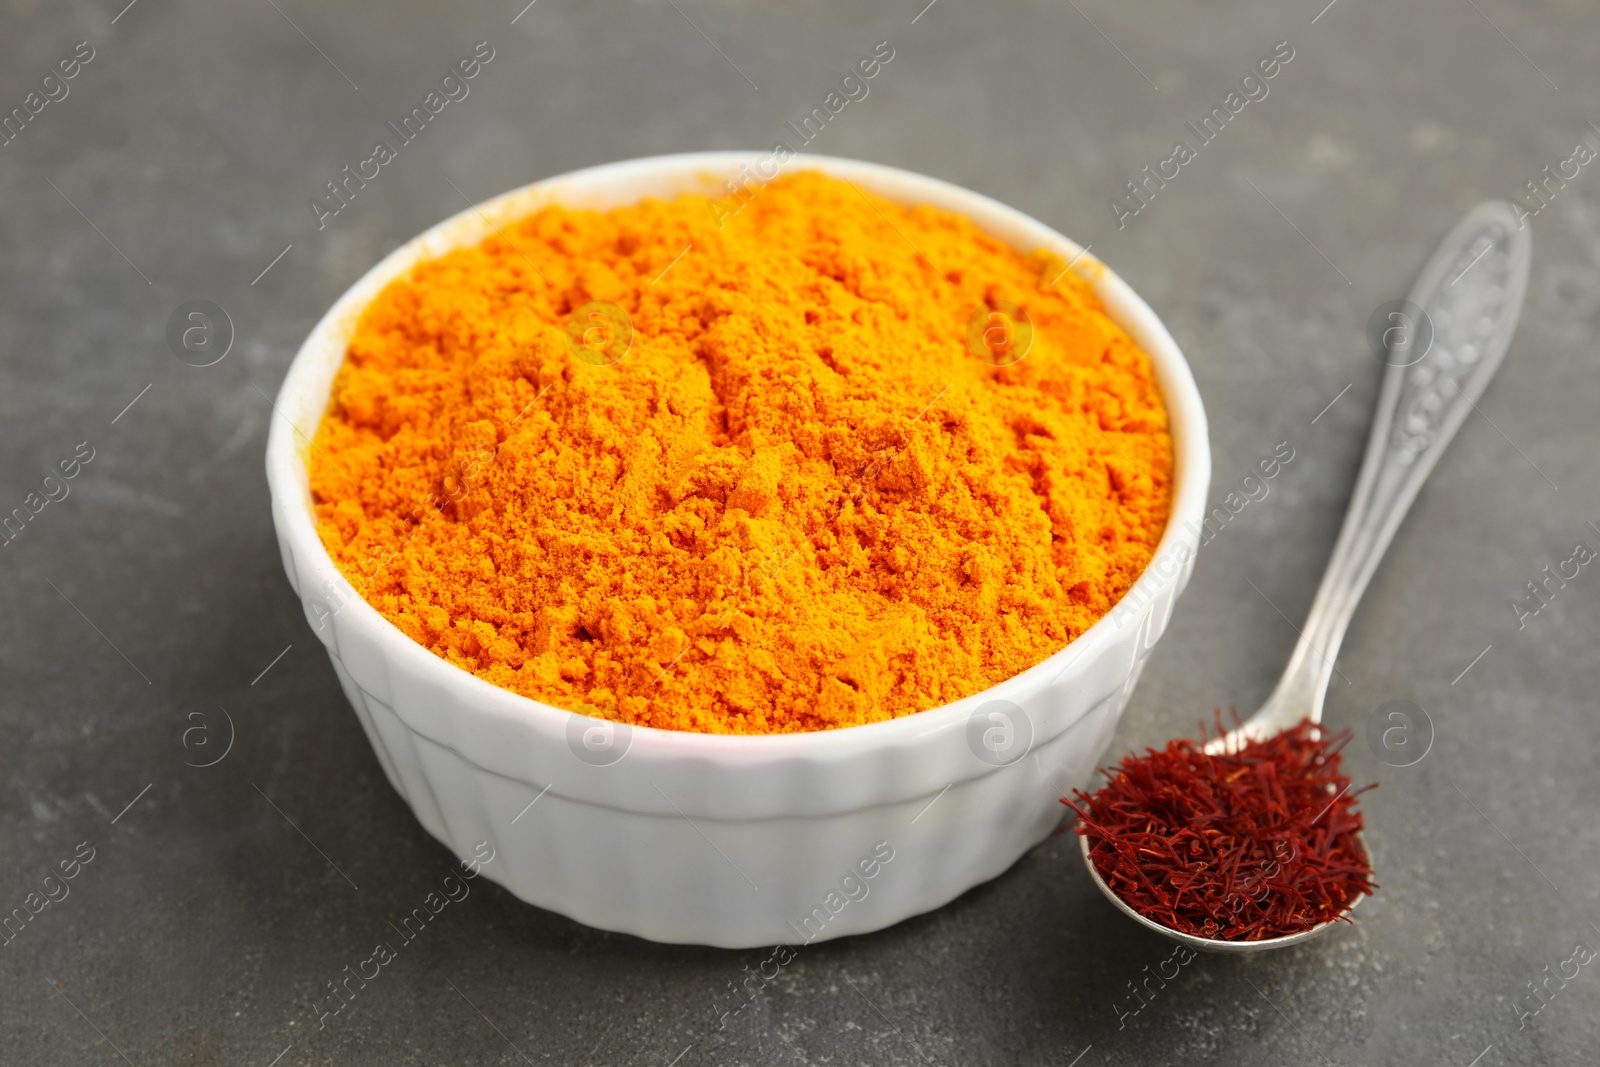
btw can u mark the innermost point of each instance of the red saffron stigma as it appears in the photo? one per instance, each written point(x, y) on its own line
point(1240, 846)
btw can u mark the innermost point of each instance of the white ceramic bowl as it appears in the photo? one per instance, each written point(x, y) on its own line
point(726, 840)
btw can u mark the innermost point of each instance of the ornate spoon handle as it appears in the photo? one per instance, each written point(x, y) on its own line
point(1442, 347)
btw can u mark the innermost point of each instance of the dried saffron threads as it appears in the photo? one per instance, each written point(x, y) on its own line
point(1238, 846)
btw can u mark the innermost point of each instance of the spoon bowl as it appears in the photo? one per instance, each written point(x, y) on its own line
point(1211, 944)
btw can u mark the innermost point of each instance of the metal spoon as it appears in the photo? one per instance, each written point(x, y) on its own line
point(1441, 347)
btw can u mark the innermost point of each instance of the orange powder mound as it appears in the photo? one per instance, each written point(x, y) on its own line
point(805, 496)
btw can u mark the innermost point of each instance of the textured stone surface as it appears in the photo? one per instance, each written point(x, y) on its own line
point(206, 925)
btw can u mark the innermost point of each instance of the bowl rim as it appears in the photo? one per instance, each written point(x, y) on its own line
point(688, 172)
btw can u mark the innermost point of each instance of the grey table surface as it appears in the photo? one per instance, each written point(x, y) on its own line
point(180, 164)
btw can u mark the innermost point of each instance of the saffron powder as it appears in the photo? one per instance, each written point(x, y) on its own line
point(743, 473)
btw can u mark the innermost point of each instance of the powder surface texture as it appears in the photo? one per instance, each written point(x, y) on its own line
point(806, 496)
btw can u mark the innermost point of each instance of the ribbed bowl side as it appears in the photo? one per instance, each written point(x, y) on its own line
point(734, 883)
